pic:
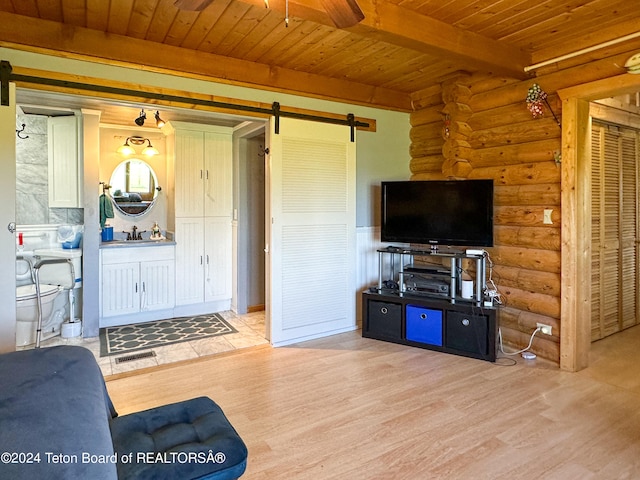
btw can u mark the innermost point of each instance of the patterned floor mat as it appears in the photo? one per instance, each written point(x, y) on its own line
point(141, 336)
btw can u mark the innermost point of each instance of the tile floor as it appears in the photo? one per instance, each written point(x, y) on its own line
point(251, 332)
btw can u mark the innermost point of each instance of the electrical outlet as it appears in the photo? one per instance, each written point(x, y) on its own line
point(544, 328)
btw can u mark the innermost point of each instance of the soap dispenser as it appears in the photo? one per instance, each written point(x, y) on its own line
point(107, 233)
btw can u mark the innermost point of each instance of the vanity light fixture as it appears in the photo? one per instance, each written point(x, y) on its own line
point(141, 118)
point(150, 150)
point(127, 149)
point(159, 122)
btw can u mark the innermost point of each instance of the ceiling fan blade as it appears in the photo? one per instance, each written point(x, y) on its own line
point(344, 13)
point(193, 5)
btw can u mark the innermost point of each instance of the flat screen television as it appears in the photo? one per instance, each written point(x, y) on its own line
point(438, 212)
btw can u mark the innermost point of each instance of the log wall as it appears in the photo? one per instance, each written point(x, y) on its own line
point(479, 126)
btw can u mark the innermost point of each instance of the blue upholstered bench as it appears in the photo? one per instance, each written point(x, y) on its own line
point(54, 411)
point(185, 440)
point(57, 421)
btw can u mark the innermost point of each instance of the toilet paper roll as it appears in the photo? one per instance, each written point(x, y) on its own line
point(467, 288)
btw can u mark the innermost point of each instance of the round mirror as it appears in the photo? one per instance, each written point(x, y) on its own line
point(134, 187)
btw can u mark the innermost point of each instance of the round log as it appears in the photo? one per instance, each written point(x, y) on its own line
point(459, 129)
point(551, 83)
point(540, 194)
point(500, 116)
point(524, 132)
point(459, 112)
point(427, 115)
point(527, 321)
point(530, 216)
point(456, 148)
point(525, 174)
point(455, 92)
point(428, 176)
point(427, 131)
point(527, 258)
point(456, 168)
point(539, 303)
point(542, 345)
point(426, 147)
point(426, 98)
point(532, 280)
point(540, 151)
point(480, 82)
point(426, 164)
point(544, 238)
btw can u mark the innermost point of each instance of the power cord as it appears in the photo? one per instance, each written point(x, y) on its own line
point(491, 290)
point(519, 351)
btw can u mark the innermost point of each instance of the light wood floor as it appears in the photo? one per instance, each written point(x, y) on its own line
point(345, 407)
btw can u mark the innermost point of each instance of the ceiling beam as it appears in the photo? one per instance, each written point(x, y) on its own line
point(75, 42)
point(399, 26)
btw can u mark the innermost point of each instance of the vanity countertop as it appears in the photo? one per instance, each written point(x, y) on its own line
point(136, 243)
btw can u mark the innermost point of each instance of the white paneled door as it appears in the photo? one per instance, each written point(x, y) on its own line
point(311, 231)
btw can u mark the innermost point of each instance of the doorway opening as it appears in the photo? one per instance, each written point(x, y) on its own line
point(121, 115)
point(576, 309)
point(615, 216)
point(250, 219)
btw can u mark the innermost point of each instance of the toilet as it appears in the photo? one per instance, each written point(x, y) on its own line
point(27, 311)
point(57, 285)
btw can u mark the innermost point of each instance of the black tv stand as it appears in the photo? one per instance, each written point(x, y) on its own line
point(432, 320)
point(452, 275)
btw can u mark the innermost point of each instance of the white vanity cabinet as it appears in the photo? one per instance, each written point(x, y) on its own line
point(201, 159)
point(65, 168)
point(137, 280)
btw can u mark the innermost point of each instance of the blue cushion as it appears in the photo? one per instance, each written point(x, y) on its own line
point(54, 409)
point(186, 440)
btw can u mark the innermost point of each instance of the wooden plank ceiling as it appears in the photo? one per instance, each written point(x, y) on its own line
point(401, 47)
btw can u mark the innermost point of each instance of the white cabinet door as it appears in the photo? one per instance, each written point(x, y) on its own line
point(64, 163)
point(136, 280)
point(157, 285)
point(217, 258)
point(203, 171)
point(203, 208)
point(218, 194)
point(189, 173)
point(120, 289)
point(189, 238)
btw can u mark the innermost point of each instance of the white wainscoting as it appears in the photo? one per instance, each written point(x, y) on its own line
point(368, 243)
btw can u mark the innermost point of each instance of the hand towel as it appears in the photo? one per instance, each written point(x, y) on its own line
point(106, 209)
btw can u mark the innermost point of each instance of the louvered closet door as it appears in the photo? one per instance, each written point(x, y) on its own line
point(614, 239)
point(311, 258)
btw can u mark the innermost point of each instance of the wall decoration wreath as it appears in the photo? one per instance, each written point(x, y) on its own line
point(536, 99)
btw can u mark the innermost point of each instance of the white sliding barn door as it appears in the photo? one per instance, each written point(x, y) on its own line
point(311, 224)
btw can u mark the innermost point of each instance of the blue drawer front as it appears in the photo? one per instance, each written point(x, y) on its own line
point(424, 325)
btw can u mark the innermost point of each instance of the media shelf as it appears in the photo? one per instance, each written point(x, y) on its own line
point(438, 276)
point(433, 324)
point(440, 320)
